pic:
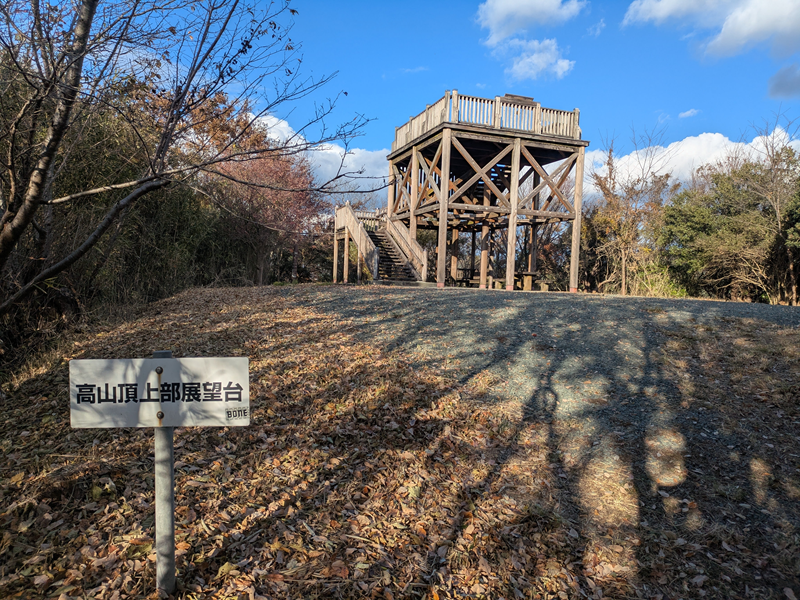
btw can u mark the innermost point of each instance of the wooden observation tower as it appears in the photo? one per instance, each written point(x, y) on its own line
point(480, 166)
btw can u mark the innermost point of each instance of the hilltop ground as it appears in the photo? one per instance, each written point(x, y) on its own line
point(412, 443)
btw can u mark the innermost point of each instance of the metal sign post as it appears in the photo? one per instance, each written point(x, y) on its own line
point(165, 501)
point(160, 392)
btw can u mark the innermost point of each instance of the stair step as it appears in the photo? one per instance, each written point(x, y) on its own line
point(392, 264)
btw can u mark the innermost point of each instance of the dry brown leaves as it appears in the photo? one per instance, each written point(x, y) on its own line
point(360, 476)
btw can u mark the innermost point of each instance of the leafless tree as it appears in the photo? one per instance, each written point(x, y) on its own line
point(632, 193)
point(771, 171)
point(183, 64)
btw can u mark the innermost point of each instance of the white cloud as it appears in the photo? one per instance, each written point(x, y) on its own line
point(683, 157)
point(740, 23)
point(688, 113)
point(328, 159)
point(538, 58)
point(786, 82)
point(756, 21)
point(327, 162)
point(277, 129)
point(596, 29)
point(504, 18)
point(705, 14)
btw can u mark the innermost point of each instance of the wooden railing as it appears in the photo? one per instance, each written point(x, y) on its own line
point(499, 113)
point(371, 220)
point(346, 218)
point(417, 256)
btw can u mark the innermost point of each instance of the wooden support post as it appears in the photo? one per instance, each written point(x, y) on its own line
point(534, 227)
point(576, 129)
point(534, 252)
point(335, 259)
point(526, 237)
point(484, 243)
point(358, 266)
point(576, 224)
point(391, 191)
point(472, 257)
point(412, 220)
point(512, 218)
point(484, 255)
point(346, 275)
point(454, 254)
point(444, 192)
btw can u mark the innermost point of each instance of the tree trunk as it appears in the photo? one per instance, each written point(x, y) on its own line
point(260, 258)
point(294, 261)
point(270, 260)
point(792, 278)
point(87, 245)
point(624, 289)
point(19, 215)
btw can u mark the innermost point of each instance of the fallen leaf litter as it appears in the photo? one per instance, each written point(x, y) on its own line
point(373, 470)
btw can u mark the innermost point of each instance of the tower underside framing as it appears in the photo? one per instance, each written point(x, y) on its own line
point(482, 176)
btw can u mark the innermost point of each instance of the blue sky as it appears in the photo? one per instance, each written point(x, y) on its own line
point(705, 72)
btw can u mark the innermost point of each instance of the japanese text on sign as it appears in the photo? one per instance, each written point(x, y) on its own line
point(183, 391)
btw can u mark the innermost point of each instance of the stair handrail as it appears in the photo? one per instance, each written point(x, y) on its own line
point(346, 218)
point(415, 254)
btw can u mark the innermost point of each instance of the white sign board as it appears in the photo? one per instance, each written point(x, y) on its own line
point(159, 392)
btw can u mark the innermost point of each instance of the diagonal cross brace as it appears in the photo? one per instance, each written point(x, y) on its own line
point(568, 164)
point(429, 169)
point(481, 173)
point(546, 179)
point(401, 188)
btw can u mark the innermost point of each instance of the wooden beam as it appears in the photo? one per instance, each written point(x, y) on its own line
point(561, 181)
point(543, 174)
point(486, 180)
point(512, 218)
point(426, 209)
point(454, 254)
point(412, 224)
point(477, 132)
point(421, 144)
point(484, 245)
point(345, 276)
point(441, 263)
point(472, 257)
point(390, 190)
point(540, 185)
point(477, 208)
point(480, 173)
point(401, 190)
point(428, 168)
point(533, 257)
point(576, 225)
point(335, 259)
point(451, 183)
point(547, 214)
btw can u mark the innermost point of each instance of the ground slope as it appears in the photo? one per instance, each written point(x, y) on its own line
point(429, 443)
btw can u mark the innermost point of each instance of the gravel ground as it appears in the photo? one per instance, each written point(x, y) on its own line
point(523, 341)
point(665, 419)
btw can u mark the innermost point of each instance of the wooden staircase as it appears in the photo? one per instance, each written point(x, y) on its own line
point(390, 253)
point(392, 266)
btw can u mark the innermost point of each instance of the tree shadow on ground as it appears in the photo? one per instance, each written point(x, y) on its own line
point(397, 452)
point(666, 503)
